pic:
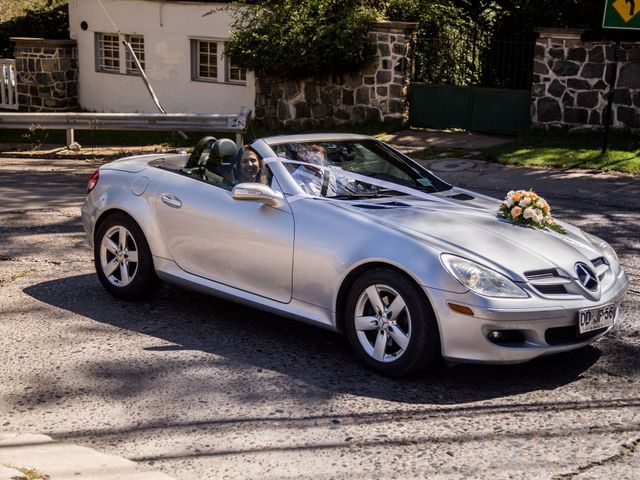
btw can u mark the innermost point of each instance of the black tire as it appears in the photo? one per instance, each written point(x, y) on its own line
point(416, 323)
point(142, 280)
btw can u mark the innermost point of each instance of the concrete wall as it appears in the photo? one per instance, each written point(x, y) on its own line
point(167, 28)
point(47, 74)
point(571, 82)
point(377, 93)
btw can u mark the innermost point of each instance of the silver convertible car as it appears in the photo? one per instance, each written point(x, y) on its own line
point(346, 233)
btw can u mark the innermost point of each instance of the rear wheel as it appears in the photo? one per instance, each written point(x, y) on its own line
point(390, 325)
point(123, 259)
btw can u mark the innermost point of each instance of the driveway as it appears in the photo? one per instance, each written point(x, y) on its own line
point(202, 388)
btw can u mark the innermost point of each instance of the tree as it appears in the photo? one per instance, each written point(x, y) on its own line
point(48, 19)
point(299, 38)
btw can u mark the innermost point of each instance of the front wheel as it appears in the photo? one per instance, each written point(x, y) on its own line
point(123, 259)
point(389, 324)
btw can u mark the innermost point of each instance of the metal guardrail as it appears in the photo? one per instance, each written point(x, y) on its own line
point(8, 84)
point(71, 121)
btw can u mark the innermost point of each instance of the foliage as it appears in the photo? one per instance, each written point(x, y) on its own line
point(559, 150)
point(501, 16)
point(295, 38)
point(47, 19)
point(485, 42)
point(527, 15)
point(16, 8)
point(290, 38)
point(449, 36)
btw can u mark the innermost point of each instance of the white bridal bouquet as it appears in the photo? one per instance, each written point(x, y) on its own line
point(527, 208)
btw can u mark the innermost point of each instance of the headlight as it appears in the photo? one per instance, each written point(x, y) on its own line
point(607, 250)
point(481, 279)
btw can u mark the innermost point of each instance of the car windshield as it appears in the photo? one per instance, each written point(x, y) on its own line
point(338, 169)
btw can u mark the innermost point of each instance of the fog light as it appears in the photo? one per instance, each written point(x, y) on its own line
point(501, 337)
point(495, 336)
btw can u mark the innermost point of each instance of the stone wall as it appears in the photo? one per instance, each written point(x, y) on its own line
point(571, 82)
point(47, 74)
point(377, 93)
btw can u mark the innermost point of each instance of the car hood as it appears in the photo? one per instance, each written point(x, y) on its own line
point(474, 231)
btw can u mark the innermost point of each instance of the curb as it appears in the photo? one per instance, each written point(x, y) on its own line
point(54, 460)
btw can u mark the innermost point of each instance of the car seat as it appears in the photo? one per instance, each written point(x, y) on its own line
point(220, 161)
point(200, 151)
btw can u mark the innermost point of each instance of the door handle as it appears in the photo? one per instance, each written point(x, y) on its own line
point(171, 200)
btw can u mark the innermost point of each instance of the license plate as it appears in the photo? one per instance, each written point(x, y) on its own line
point(595, 318)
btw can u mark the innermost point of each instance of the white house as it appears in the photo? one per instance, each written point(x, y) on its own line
point(180, 45)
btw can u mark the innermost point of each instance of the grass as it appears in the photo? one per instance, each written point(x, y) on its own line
point(563, 150)
point(30, 474)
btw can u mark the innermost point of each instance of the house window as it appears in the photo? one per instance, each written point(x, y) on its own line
point(204, 64)
point(209, 64)
point(236, 72)
point(108, 53)
point(137, 45)
point(112, 56)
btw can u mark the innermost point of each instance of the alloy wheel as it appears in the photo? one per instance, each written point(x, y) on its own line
point(382, 323)
point(119, 256)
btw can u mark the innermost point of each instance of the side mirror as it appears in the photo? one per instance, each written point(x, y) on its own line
point(257, 192)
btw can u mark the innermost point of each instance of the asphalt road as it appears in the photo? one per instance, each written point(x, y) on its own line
point(202, 388)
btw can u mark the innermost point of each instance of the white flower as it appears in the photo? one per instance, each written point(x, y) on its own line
point(533, 214)
point(528, 213)
point(538, 216)
point(525, 202)
point(509, 202)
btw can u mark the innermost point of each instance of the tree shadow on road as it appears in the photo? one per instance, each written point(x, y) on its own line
point(318, 361)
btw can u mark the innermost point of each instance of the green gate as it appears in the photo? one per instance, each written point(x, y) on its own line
point(472, 82)
point(472, 108)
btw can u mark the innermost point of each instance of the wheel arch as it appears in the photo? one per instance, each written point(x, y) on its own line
point(359, 270)
point(144, 281)
point(109, 212)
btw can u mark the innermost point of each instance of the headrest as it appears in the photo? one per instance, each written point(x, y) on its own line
point(225, 150)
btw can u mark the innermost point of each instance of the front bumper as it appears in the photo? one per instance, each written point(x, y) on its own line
point(547, 326)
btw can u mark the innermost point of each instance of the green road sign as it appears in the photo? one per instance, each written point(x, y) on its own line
point(622, 14)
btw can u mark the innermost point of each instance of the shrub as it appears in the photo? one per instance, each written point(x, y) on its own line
point(50, 20)
point(293, 38)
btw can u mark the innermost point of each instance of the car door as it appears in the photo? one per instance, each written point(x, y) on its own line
point(243, 244)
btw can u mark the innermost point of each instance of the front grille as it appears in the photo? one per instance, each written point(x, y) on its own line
point(596, 262)
point(547, 282)
point(551, 289)
point(568, 335)
point(541, 274)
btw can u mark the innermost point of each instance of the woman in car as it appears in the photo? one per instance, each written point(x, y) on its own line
point(248, 167)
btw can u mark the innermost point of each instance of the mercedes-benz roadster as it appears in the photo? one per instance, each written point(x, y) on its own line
point(344, 232)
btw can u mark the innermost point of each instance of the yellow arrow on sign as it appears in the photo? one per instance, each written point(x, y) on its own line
point(627, 8)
